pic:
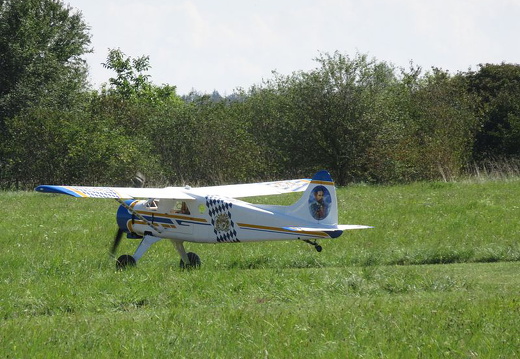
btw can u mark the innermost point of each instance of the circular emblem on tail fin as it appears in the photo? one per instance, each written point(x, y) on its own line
point(319, 202)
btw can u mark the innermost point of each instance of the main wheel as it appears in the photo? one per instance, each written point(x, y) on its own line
point(194, 261)
point(124, 261)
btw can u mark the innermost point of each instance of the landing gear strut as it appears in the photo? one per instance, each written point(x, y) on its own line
point(314, 243)
point(127, 260)
point(188, 260)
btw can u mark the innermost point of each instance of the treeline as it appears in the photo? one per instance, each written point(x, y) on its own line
point(361, 118)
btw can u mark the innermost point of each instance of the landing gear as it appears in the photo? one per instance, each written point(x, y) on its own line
point(315, 244)
point(188, 260)
point(194, 261)
point(124, 261)
point(131, 260)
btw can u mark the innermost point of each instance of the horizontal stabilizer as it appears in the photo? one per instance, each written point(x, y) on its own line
point(341, 227)
point(332, 231)
point(348, 227)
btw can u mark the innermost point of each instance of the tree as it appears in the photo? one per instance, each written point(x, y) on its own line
point(133, 84)
point(41, 44)
point(130, 80)
point(445, 124)
point(498, 88)
point(323, 118)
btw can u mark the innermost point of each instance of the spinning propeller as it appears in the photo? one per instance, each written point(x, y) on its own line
point(125, 260)
point(117, 241)
point(138, 182)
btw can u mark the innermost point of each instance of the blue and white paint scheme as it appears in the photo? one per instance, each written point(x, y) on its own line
point(216, 215)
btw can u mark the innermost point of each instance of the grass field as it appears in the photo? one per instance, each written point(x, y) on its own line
point(438, 276)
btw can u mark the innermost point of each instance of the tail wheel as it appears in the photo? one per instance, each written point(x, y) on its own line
point(314, 243)
point(194, 261)
point(124, 261)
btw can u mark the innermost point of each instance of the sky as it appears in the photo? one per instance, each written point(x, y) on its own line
point(208, 45)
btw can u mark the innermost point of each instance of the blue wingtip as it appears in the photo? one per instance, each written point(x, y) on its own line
point(55, 189)
point(322, 175)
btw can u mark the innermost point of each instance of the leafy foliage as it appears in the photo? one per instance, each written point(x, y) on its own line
point(498, 89)
point(41, 43)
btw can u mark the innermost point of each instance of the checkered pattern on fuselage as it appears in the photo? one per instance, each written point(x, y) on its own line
point(218, 206)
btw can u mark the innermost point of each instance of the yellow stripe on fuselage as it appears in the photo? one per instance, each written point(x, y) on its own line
point(282, 230)
point(175, 216)
point(130, 224)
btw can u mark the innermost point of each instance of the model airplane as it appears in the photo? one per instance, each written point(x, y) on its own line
point(215, 215)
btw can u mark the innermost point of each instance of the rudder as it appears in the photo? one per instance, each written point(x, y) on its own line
point(318, 203)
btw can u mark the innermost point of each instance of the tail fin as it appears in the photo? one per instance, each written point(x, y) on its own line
point(318, 204)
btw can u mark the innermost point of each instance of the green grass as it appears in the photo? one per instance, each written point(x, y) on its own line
point(371, 293)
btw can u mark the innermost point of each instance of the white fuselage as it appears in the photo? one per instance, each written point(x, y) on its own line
point(213, 219)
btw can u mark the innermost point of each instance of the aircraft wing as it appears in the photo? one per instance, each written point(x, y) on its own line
point(117, 192)
point(254, 189)
point(233, 191)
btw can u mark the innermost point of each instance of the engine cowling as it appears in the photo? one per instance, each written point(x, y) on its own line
point(125, 218)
